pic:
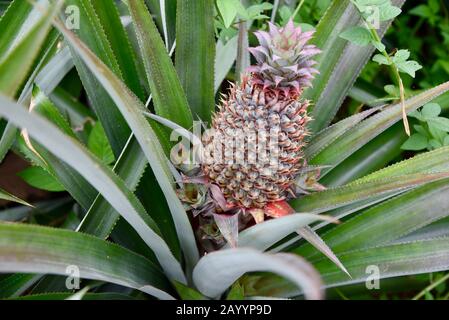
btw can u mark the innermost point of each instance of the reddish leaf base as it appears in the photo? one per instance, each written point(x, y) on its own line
point(278, 209)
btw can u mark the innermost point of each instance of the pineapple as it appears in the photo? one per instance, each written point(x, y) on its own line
point(260, 128)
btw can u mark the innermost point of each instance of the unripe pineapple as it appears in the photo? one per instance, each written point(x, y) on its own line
point(266, 113)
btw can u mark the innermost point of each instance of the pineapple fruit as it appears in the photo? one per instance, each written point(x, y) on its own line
point(252, 157)
point(260, 129)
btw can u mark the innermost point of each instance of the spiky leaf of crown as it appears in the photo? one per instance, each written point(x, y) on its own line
point(284, 59)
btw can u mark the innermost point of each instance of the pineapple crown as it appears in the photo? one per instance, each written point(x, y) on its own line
point(284, 59)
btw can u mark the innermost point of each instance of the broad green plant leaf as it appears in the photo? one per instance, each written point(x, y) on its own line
point(374, 156)
point(315, 240)
point(264, 235)
point(393, 260)
point(133, 110)
point(109, 18)
point(15, 65)
point(217, 271)
point(169, 98)
point(11, 22)
point(236, 292)
point(93, 34)
point(340, 63)
point(98, 175)
point(364, 132)
point(327, 136)
point(229, 10)
point(357, 35)
point(196, 71)
point(16, 62)
point(39, 178)
point(187, 293)
point(337, 197)
point(46, 250)
point(99, 145)
point(429, 162)
point(389, 220)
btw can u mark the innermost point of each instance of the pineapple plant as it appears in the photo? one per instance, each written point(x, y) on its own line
point(310, 204)
point(254, 154)
point(266, 101)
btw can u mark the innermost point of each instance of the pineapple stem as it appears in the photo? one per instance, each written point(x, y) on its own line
point(396, 73)
point(297, 9)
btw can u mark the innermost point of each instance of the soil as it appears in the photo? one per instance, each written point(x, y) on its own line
point(10, 182)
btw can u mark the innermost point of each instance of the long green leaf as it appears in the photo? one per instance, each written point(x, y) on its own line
point(393, 260)
point(264, 235)
point(109, 18)
point(16, 284)
point(342, 196)
point(436, 230)
point(388, 221)
point(31, 249)
point(339, 213)
point(72, 181)
point(133, 110)
point(11, 23)
point(25, 34)
point(10, 131)
point(22, 213)
point(327, 136)
point(364, 132)
point(217, 271)
point(54, 71)
point(98, 175)
point(196, 71)
point(15, 65)
point(101, 217)
point(93, 35)
point(66, 104)
point(374, 156)
point(169, 98)
point(164, 13)
point(132, 166)
point(428, 162)
point(9, 197)
point(224, 60)
point(340, 62)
